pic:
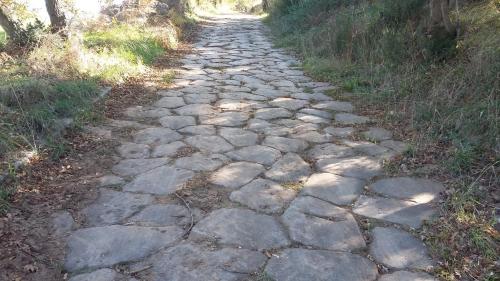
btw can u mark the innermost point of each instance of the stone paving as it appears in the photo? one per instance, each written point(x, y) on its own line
point(299, 189)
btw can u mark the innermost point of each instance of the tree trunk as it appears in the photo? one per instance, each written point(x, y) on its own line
point(265, 5)
point(440, 16)
point(10, 26)
point(57, 18)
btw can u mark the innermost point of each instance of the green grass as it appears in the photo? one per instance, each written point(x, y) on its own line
point(128, 42)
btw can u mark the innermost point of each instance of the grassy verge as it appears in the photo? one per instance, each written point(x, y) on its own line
point(52, 88)
point(440, 92)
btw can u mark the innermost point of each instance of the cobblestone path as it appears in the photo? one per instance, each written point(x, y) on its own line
point(297, 199)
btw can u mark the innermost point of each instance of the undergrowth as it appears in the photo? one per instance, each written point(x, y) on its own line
point(440, 89)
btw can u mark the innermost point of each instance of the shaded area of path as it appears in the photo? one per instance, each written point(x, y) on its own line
point(246, 170)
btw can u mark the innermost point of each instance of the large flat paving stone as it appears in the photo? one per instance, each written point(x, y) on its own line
point(341, 132)
point(398, 249)
point(309, 118)
point(156, 136)
point(243, 228)
point(177, 122)
point(418, 190)
point(361, 167)
point(289, 103)
point(393, 210)
point(167, 150)
point(329, 150)
point(290, 168)
point(257, 153)
point(366, 147)
point(105, 246)
point(213, 144)
point(239, 137)
point(160, 181)
point(320, 265)
point(236, 174)
point(166, 215)
point(407, 276)
point(202, 162)
point(195, 110)
point(333, 188)
point(170, 102)
point(229, 119)
point(133, 150)
point(285, 144)
point(272, 113)
point(312, 136)
point(133, 167)
point(112, 207)
point(264, 196)
point(316, 223)
point(208, 130)
point(188, 262)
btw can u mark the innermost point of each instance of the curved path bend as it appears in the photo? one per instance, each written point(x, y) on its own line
point(247, 170)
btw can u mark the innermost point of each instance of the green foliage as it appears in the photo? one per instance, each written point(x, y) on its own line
point(3, 38)
point(127, 42)
point(42, 106)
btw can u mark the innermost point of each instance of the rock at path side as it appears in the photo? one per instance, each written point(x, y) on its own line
point(104, 274)
point(285, 144)
point(188, 262)
point(397, 146)
point(236, 174)
point(333, 188)
point(290, 168)
point(313, 222)
point(341, 132)
point(112, 207)
point(257, 153)
point(156, 136)
point(109, 245)
point(160, 181)
point(350, 119)
point(399, 249)
point(319, 265)
point(214, 144)
point(393, 210)
point(166, 215)
point(334, 106)
point(133, 167)
point(361, 167)
point(417, 190)
point(243, 228)
point(407, 276)
point(264, 196)
point(239, 137)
